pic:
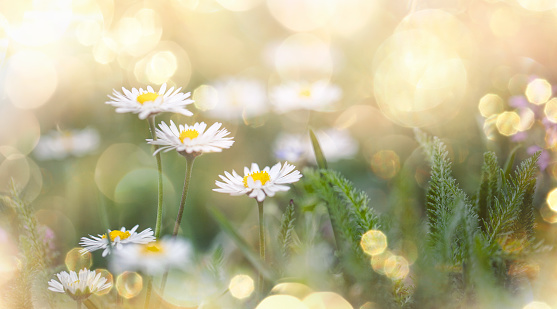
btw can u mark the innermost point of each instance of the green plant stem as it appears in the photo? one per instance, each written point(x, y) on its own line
point(190, 158)
point(261, 246)
point(163, 282)
point(89, 304)
point(78, 304)
point(189, 167)
point(148, 292)
point(151, 120)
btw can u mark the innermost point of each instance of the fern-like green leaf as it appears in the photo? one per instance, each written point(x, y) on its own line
point(350, 216)
point(217, 261)
point(286, 229)
point(488, 188)
point(513, 213)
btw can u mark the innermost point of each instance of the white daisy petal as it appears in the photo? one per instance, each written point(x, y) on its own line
point(153, 258)
point(163, 89)
point(148, 102)
point(258, 183)
point(117, 238)
point(79, 286)
point(191, 139)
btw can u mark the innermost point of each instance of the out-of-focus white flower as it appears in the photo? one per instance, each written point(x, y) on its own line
point(258, 183)
point(335, 144)
point(191, 139)
point(79, 286)
point(237, 98)
point(291, 147)
point(148, 102)
point(118, 238)
point(153, 258)
point(59, 145)
point(317, 96)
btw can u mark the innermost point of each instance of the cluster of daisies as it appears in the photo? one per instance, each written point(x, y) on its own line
point(142, 251)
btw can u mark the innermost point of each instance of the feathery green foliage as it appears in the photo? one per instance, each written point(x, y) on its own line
point(488, 188)
point(450, 215)
point(482, 237)
point(513, 212)
point(286, 230)
point(216, 262)
point(34, 254)
point(350, 216)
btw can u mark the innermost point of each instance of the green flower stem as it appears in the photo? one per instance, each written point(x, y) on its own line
point(78, 302)
point(163, 282)
point(151, 120)
point(261, 246)
point(148, 292)
point(89, 304)
point(190, 158)
point(189, 166)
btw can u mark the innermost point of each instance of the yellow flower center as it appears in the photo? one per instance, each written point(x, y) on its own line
point(146, 97)
point(152, 249)
point(305, 93)
point(189, 133)
point(261, 176)
point(114, 234)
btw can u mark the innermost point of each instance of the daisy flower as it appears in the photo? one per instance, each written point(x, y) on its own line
point(235, 98)
point(148, 102)
point(118, 238)
point(79, 286)
point(335, 144)
point(191, 139)
point(60, 145)
point(258, 183)
point(153, 258)
point(297, 95)
point(291, 147)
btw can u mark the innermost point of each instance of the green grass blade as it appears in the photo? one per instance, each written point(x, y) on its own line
point(251, 255)
point(510, 161)
point(319, 157)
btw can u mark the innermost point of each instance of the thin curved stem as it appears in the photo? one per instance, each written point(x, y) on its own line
point(89, 304)
point(151, 120)
point(148, 293)
point(189, 167)
point(261, 245)
point(163, 282)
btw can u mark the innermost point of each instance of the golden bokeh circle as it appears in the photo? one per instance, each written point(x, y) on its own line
point(109, 279)
point(326, 300)
point(538, 91)
point(76, 259)
point(550, 110)
point(129, 284)
point(396, 267)
point(508, 123)
point(241, 286)
point(385, 164)
point(552, 199)
point(373, 242)
point(281, 302)
point(295, 289)
point(490, 104)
